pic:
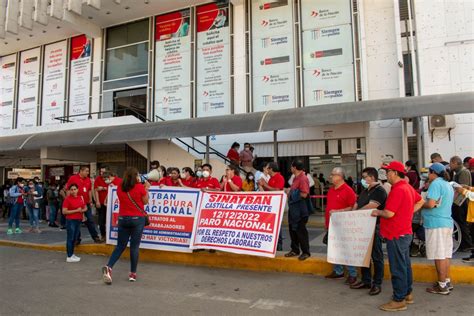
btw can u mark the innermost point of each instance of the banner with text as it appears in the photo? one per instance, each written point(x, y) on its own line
point(28, 88)
point(173, 65)
point(54, 82)
point(350, 238)
point(213, 59)
point(80, 81)
point(7, 90)
point(243, 223)
point(171, 212)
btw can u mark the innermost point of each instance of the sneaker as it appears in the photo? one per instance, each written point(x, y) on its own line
point(360, 285)
point(394, 306)
point(350, 280)
point(409, 299)
point(334, 276)
point(107, 275)
point(375, 290)
point(304, 256)
point(18, 231)
point(132, 277)
point(468, 260)
point(438, 289)
point(450, 286)
point(73, 259)
point(9, 231)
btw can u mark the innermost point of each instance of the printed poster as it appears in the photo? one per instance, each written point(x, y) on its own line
point(80, 78)
point(28, 88)
point(54, 83)
point(322, 13)
point(173, 66)
point(7, 90)
point(213, 60)
point(171, 212)
point(238, 222)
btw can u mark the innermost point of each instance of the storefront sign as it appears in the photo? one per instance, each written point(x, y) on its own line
point(173, 65)
point(54, 82)
point(80, 77)
point(273, 63)
point(213, 59)
point(322, 13)
point(244, 223)
point(24, 173)
point(7, 91)
point(350, 238)
point(28, 88)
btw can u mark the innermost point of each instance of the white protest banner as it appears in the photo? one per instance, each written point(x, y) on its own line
point(171, 212)
point(28, 88)
point(7, 90)
point(350, 238)
point(239, 222)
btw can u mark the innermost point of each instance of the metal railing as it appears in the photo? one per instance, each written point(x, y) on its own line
point(66, 119)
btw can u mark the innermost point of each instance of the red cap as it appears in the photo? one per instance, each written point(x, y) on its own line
point(396, 166)
point(471, 163)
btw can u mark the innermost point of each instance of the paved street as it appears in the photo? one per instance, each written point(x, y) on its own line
point(41, 283)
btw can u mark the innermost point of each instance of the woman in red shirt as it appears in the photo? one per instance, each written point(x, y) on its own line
point(73, 208)
point(188, 178)
point(232, 182)
point(133, 196)
point(233, 154)
point(173, 179)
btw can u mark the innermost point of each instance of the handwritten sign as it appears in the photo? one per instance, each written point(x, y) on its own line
point(350, 238)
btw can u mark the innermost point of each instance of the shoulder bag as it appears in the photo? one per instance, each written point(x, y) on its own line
point(147, 219)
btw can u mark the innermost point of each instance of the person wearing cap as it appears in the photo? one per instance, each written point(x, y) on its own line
point(438, 223)
point(436, 157)
point(395, 227)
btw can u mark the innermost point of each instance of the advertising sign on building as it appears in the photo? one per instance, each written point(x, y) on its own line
point(7, 91)
point(173, 65)
point(273, 63)
point(80, 78)
point(213, 60)
point(54, 82)
point(28, 88)
point(328, 61)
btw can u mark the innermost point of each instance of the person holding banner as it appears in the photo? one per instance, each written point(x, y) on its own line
point(173, 180)
point(101, 190)
point(207, 182)
point(298, 213)
point(372, 197)
point(231, 182)
point(340, 198)
point(133, 196)
point(188, 178)
point(438, 224)
point(395, 227)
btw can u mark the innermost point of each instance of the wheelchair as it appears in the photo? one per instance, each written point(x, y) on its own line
point(418, 245)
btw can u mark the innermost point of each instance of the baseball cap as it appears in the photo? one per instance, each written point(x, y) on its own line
point(437, 168)
point(396, 166)
point(471, 163)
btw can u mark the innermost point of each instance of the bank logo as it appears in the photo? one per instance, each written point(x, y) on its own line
point(316, 72)
point(205, 93)
point(315, 34)
point(9, 65)
point(265, 79)
point(264, 23)
point(314, 13)
point(30, 60)
point(266, 99)
point(318, 95)
point(266, 42)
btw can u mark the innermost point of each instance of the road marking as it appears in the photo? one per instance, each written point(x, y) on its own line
point(204, 296)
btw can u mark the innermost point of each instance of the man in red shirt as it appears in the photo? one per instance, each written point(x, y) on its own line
point(101, 190)
point(298, 213)
point(207, 182)
point(340, 198)
point(84, 186)
point(395, 227)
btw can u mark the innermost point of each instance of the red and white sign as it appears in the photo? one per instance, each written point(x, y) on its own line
point(28, 88)
point(54, 82)
point(243, 223)
point(80, 80)
point(7, 90)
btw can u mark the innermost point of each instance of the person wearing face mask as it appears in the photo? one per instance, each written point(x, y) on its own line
point(231, 182)
point(207, 182)
point(101, 190)
point(373, 196)
point(173, 180)
point(18, 195)
point(198, 172)
point(33, 207)
point(246, 158)
point(188, 178)
point(248, 185)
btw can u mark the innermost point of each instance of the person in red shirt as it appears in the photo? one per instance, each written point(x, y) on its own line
point(84, 185)
point(101, 190)
point(188, 178)
point(233, 154)
point(133, 196)
point(340, 198)
point(396, 228)
point(207, 182)
point(73, 208)
point(173, 179)
point(298, 212)
point(232, 182)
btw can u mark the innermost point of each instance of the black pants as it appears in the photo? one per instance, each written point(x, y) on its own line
point(459, 215)
point(299, 237)
point(102, 220)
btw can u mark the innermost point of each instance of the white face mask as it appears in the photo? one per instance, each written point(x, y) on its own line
point(199, 173)
point(250, 178)
point(108, 181)
point(206, 174)
point(183, 176)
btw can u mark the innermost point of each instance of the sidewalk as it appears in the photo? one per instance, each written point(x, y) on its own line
point(53, 239)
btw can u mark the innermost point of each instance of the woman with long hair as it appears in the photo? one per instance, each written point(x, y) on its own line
point(231, 182)
point(188, 178)
point(133, 196)
point(413, 175)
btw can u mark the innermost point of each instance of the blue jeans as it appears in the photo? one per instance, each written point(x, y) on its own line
point(339, 269)
point(73, 227)
point(15, 215)
point(400, 266)
point(377, 262)
point(34, 215)
point(129, 228)
point(52, 213)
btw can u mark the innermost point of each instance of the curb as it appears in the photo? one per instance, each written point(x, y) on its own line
point(460, 274)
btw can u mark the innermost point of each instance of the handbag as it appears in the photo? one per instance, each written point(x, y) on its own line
point(147, 219)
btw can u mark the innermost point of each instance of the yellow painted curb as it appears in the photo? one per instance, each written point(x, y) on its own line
point(460, 274)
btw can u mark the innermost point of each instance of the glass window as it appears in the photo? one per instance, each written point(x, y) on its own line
point(131, 102)
point(127, 61)
point(127, 34)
